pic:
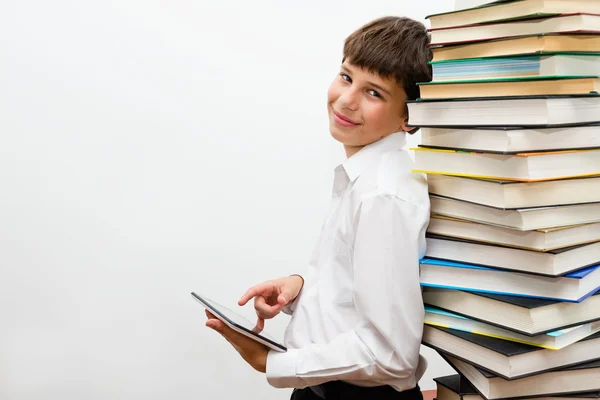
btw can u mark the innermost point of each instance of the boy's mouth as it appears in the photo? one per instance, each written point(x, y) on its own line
point(343, 120)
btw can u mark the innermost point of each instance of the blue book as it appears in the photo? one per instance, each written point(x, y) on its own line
point(574, 287)
point(502, 68)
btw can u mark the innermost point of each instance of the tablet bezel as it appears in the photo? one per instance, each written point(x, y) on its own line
point(239, 328)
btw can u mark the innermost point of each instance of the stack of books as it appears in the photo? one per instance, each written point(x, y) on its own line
point(511, 146)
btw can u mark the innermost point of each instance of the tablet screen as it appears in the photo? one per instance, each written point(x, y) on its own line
point(234, 317)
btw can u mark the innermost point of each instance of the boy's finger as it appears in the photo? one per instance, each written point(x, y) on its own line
point(251, 293)
point(260, 325)
point(264, 310)
point(216, 325)
point(288, 292)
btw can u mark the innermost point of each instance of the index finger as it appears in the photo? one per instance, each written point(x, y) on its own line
point(251, 293)
point(260, 325)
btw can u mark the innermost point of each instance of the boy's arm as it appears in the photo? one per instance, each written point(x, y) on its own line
point(385, 342)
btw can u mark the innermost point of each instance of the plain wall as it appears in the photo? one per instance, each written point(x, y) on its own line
point(149, 149)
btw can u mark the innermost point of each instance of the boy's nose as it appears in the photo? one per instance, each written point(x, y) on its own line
point(349, 100)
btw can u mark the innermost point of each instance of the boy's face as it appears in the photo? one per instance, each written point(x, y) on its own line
point(364, 107)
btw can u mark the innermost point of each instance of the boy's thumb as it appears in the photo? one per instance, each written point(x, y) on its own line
point(282, 299)
point(286, 296)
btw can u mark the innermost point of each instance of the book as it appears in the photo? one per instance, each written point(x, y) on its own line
point(541, 66)
point(574, 287)
point(532, 111)
point(527, 45)
point(524, 315)
point(512, 140)
point(527, 86)
point(522, 219)
point(524, 167)
point(509, 360)
point(456, 387)
point(537, 240)
point(552, 263)
point(511, 10)
point(577, 379)
point(565, 23)
point(462, 4)
point(516, 195)
point(554, 340)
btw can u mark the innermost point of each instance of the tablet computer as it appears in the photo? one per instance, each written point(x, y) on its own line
point(239, 323)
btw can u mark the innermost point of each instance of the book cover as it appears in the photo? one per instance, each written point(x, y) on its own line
point(579, 274)
point(524, 302)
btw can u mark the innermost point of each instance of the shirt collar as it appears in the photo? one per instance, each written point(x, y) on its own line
point(370, 154)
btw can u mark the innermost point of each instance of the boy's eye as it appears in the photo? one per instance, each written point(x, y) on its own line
point(375, 93)
point(346, 77)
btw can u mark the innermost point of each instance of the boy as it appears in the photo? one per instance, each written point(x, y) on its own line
point(357, 319)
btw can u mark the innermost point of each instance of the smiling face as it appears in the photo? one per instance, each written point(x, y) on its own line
point(364, 108)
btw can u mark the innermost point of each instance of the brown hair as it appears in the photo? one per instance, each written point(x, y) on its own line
point(392, 47)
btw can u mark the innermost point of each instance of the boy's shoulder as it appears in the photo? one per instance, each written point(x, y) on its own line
point(387, 171)
point(393, 176)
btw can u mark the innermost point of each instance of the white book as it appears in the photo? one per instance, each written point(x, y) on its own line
point(522, 219)
point(515, 195)
point(512, 10)
point(512, 140)
point(561, 24)
point(551, 263)
point(539, 240)
point(524, 167)
point(533, 111)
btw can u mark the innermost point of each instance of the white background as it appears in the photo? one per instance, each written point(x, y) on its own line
point(149, 149)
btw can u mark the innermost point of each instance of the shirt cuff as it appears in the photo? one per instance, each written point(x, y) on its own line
point(289, 308)
point(281, 369)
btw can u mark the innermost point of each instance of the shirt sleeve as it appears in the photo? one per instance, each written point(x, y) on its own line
point(385, 342)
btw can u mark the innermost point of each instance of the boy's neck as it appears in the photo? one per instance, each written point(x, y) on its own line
point(352, 150)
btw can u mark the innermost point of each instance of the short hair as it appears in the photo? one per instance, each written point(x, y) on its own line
point(392, 47)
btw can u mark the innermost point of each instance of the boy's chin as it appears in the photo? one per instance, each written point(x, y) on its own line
point(340, 137)
point(344, 137)
point(353, 137)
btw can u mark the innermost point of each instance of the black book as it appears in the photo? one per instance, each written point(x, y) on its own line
point(509, 360)
point(456, 387)
point(578, 381)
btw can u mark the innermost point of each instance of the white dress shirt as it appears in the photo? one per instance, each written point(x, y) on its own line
point(359, 316)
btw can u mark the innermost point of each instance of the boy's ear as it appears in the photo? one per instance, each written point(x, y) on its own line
point(404, 126)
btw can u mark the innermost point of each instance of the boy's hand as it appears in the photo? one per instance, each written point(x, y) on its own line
point(253, 352)
point(271, 296)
